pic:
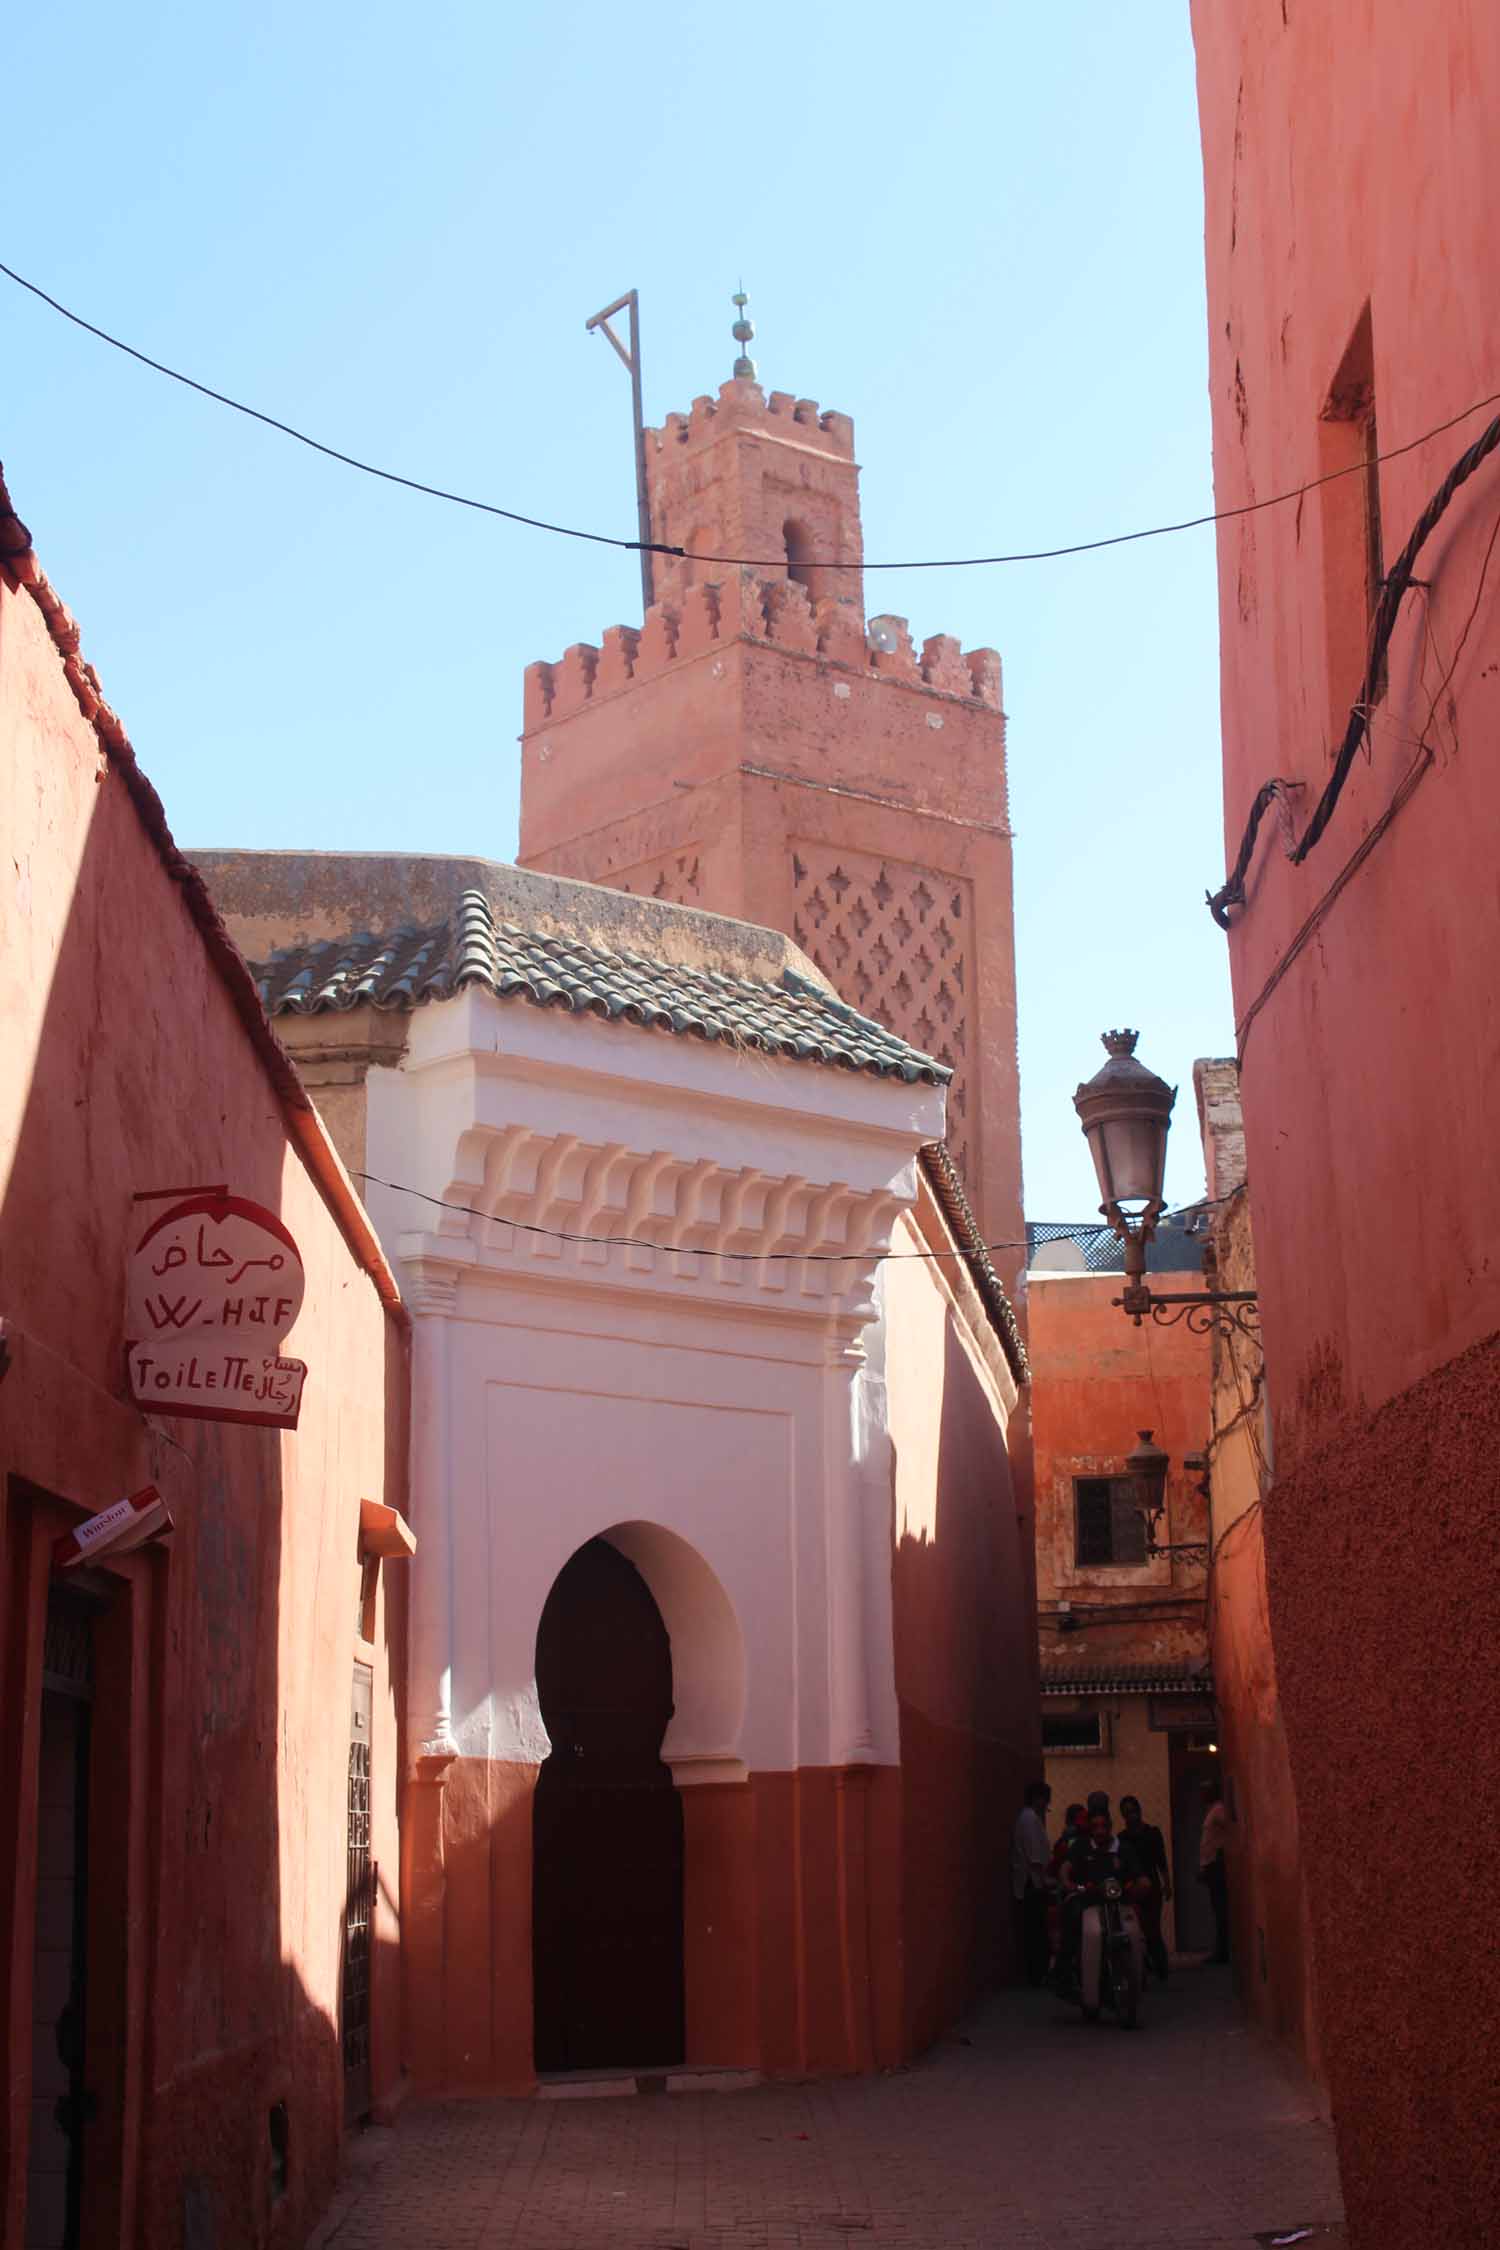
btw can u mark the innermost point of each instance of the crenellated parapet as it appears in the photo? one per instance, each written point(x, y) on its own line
point(770, 612)
point(789, 761)
point(742, 405)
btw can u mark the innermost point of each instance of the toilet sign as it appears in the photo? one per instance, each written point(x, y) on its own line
point(213, 1286)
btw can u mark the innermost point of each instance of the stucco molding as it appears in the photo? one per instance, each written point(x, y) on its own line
point(565, 1210)
point(432, 1276)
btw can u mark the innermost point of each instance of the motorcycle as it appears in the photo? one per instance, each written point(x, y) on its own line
point(1112, 1957)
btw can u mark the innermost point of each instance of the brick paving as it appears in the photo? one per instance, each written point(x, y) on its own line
point(1030, 2131)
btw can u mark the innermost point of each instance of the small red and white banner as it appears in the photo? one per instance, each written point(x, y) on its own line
point(114, 1531)
point(213, 1286)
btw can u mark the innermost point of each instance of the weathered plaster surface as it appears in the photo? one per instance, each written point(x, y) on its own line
point(1097, 1380)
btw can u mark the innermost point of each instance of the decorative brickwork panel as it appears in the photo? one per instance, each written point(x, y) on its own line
point(675, 876)
point(896, 942)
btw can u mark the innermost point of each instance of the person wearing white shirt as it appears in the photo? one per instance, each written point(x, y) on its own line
point(1030, 1855)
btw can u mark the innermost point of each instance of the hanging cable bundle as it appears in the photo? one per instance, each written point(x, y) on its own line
point(1397, 582)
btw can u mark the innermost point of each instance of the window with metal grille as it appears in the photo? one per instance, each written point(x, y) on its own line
point(1073, 1730)
point(1110, 1526)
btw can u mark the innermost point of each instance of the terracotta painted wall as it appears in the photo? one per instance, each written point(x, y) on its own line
point(751, 748)
point(1349, 161)
point(1096, 1381)
point(222, 1720)
point(964, 1637)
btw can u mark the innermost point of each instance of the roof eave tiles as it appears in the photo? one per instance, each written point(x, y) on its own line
point(404, 968)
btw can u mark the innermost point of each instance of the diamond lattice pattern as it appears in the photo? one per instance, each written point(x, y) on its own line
point(894, 941)
point(676, 877)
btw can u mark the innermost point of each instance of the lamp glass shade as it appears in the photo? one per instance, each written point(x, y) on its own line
point(1126, 1112)
point(1146, 1464)
point(1130, 1158)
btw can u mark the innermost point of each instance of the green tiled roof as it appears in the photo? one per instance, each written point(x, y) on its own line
point(404, 967)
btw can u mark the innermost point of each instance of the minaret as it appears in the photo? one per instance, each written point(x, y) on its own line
point(756, 749)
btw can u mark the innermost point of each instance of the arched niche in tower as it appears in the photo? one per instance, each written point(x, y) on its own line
point(801, 549)
point(698, 542)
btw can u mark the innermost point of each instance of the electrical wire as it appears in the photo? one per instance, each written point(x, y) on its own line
point(644, 1242)
point(747, 1257)
point(685, 554)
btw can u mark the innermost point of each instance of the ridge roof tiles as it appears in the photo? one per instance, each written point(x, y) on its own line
point(409, 965)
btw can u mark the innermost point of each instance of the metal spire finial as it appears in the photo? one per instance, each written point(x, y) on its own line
point(743, 333)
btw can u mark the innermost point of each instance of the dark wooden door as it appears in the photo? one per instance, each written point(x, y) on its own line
point(607, 1831)
point(359, 1905)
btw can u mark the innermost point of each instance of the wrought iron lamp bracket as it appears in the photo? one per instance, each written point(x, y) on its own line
point(1204, 1311)
point(1191, 1550)
point(1222, 1312)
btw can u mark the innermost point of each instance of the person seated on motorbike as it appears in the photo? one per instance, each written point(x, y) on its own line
point(1075, 1822)
point(1099, 1858)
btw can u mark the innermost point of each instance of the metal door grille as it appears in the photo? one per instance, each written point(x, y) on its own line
point(359, 1910)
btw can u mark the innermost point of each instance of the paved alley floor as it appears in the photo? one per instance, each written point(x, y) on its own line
point(1029, 2131)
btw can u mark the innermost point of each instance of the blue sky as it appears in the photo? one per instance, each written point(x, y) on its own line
point(978, 230)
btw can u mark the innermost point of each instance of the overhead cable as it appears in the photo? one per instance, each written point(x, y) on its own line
point(687, 554)
point(748, 1257)
point(644, 1242)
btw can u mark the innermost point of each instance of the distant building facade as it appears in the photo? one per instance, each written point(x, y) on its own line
point(1127, 1686)
point(1352, 311)
point(199, 1764)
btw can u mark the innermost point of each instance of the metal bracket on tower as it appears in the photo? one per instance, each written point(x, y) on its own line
point(632, 358)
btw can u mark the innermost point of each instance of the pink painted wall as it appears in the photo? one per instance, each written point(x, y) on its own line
point(222, 1721)
point(1349, 163)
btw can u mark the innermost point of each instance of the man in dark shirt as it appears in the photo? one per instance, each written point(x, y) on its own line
point(1098, 1857)
point(1150, 1848)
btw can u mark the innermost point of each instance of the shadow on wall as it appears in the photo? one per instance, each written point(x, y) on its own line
point(967, 1701)
point(207, 2077)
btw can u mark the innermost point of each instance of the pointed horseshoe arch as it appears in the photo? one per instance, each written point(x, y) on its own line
point(708, 1653)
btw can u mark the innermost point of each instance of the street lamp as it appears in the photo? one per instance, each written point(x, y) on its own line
point(1146, 1465)
point(1126, 1113)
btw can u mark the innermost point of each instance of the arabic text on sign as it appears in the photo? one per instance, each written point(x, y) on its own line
point(215, 1283)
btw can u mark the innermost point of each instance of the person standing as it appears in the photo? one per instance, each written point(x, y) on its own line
point(1150, 1847)
point(1212, 1869)
point(1030, 1854)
